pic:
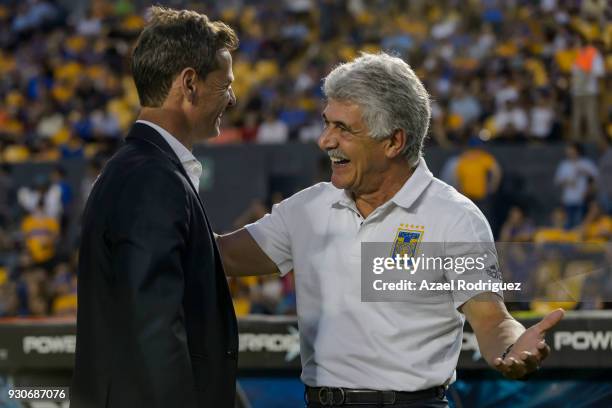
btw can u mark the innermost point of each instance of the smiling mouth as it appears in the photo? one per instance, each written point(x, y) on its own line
point(338, 161)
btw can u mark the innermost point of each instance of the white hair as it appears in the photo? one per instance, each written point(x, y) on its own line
point(390, 95)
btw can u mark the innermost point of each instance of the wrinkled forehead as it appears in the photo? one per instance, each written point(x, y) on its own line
point(342, 111)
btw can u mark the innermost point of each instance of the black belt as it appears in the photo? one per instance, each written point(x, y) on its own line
point(331, 396)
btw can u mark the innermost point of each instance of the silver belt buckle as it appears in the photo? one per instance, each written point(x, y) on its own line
point(326, 396)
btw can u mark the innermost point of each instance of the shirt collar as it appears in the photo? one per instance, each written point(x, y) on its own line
point(414, 186)
point(405, 197)
point(183, 154)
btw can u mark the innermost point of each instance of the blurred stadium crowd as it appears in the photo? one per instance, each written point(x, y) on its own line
point(498, 72)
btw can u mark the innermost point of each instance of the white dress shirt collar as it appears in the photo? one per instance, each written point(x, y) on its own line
point(191, 165)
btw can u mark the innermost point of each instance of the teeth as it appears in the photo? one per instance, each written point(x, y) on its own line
point(337, 159)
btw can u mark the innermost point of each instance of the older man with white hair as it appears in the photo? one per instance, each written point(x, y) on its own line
point(355, 351)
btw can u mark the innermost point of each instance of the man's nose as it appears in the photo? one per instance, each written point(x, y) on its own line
point(327, 141)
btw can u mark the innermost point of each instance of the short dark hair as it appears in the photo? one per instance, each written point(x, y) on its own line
point(171, 41)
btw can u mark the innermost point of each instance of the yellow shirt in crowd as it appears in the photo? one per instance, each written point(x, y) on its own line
point(40, 234)
point(473, 169)
point(555, 235)
point(599, 230)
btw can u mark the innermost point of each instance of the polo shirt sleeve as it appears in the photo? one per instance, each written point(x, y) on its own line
point(471, 238)
point(272, 235)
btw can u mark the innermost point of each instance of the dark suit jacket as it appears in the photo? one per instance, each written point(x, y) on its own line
point(155, 325)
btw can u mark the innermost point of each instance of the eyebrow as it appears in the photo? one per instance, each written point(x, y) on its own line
point(337, 123)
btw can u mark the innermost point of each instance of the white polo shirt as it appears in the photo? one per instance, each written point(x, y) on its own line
point(345, 342)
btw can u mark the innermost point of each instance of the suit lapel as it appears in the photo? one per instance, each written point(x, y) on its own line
point(146, 133)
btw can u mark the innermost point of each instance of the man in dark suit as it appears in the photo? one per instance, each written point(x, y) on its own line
point(155, 325)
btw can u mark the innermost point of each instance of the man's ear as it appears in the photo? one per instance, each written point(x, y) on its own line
point(188, 84)
point(396, 143)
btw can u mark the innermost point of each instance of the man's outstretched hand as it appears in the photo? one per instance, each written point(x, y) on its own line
point(529, 350)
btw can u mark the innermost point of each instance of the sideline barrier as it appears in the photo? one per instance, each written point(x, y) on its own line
point(582, 340)
point(40, 352)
